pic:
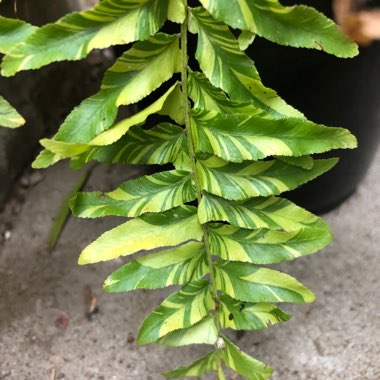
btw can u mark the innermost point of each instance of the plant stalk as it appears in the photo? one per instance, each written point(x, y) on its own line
point(184, 78)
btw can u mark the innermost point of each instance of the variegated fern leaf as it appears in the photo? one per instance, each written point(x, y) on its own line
point(233, 146)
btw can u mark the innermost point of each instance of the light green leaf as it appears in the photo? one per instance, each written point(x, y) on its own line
point(245, 39)
point(243, 364)
point(9, 117)
point(134, 76)
point(149, 231)
point(240, 137)
point(12, 32)
point(206, 96)
point(154, 193)
point(297, 26)
point(200, 367)
point(228, 68)
point(112, 22)
point(160, 145)
point(176, 266)
point(203, 332)
point(180, 310)
point(252, 179)
point(251, 283)
point(60, 150)
point(176, 11)
point(264, 246)
point(240, 315)
point(272, 213)
point(45, 159)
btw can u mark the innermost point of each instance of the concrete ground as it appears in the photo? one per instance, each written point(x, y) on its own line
point(45, 334)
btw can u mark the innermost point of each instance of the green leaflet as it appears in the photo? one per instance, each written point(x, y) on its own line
point(149, 231)
point(272, 213)
point(13, 32)
point(176, 266)
point(176, 11)
point(60, 150)
point(240, 137)
point(180, 310)
point(264, 246)
point(203, 332)
point(9, 117)
point(200, 367)
point(155, 193)
point(243, 364)
point(227, 67)
point(252, 179)
point(251, 283)
point(112, 22)
point(160, 145)
point(206, 96)
point(239, 315)
point(297, 26)
point(134, 76)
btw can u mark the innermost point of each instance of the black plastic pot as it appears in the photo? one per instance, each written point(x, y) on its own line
point(334, 92)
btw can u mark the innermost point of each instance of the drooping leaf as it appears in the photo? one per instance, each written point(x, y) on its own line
point(159, 145)
point(134, 75)
point(180, 310)
point(297, 26)
point(154, 193)
point(264, 246)
point(240, 315)
point(9, 117)
point(200, 367)
point(252, 283)
point(149, 231)
point(228, 68)
point(60, 150)
point(176, 266)
point(240, 137)
point(203, 332)
point(12, 32)
point(112, 22)
point(252, 179)
point(243, 364)
point(272, 213)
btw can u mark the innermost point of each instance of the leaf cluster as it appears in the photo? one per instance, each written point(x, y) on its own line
point(213, 220)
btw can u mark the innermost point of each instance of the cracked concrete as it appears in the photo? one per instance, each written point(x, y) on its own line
point(44, 333)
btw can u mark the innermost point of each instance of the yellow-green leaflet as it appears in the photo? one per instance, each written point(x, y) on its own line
point(13, 32)
point(271, 213)
point(9, 117)
point(297, 26)
point(240, 315)
point(262, 246)
point(175, 266)
point(156, 193)
point(252, 179)
point(200, 367)
point(111, 22)
point(180, 310)
point(203, 332)
point(243, 364)
point(240, 137)
point(251, 283)
point(147, 232)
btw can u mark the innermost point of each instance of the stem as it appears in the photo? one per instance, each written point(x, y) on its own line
point(184, 78)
